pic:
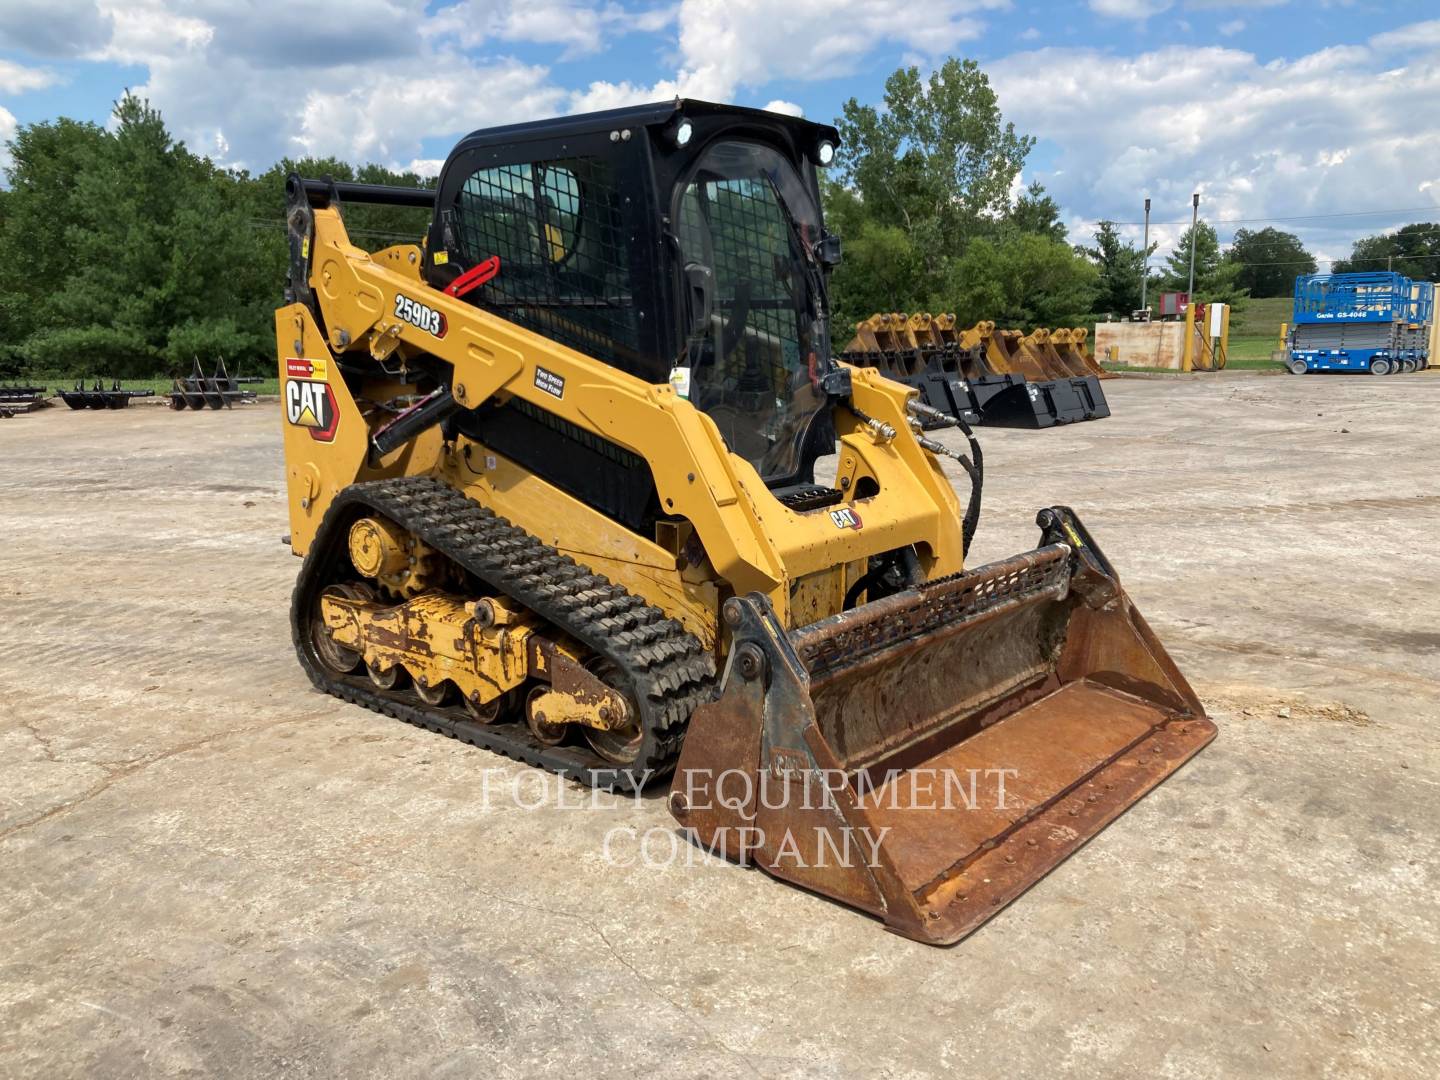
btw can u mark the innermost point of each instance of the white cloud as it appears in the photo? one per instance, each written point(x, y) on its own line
point(1329, 132)
point(149, 32)
point(580, 28)
point(7, 132)
point(1232, 27)
point(728, 46)
point(1018, 184)
point(788, 108)
point(246, 81)
point(16, 78)
point(53, 27)
point(1421, 35)
point(606, 95)
point(375, 120)
point(249, 82)
point(1129, 9)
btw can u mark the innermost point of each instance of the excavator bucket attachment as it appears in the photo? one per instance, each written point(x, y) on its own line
point(1003, 378)
point(1070, 344)
point(1068, 370)
point(928, 756)
point(1047, 397)
point(920, 351)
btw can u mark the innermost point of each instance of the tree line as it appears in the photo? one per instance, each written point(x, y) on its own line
point(124, 253)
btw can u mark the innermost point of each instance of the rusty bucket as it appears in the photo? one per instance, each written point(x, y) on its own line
point(929, 756)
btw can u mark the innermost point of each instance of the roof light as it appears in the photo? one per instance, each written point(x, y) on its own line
point(683, 131)
point(825, 152)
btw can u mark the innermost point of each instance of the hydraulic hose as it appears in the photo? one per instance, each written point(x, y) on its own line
point(974, 466)
point(424, 414)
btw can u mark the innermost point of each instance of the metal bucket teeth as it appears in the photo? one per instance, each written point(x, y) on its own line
point(1003, 378)
point(929, 756)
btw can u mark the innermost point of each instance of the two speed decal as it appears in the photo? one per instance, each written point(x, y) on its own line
point(420, 315)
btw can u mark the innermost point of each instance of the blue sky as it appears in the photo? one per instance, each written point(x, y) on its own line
point(1270, 108)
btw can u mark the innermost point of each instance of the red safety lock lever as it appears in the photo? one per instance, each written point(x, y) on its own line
point(476, 276)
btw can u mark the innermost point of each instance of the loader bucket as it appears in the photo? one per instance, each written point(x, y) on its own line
point(929, 756)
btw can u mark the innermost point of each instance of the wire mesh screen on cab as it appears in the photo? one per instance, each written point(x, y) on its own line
point(564, 259)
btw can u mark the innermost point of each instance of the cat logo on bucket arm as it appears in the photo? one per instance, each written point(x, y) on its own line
point(309, 401)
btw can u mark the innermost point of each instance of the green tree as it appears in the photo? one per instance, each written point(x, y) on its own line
point(917, 182)
point(1216, 279)
point(1121, 268)
point(939, 160)
point(48, 161)
point(1269, 260)
point(1413, 250)
point(1025, 281)
point(1175, 274)
point(881, 270)
point(122, 253)
point(159, 257)
point(1036, 212)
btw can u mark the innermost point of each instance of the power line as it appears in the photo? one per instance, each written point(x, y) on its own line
point(1297, 217)
point(1427, 231)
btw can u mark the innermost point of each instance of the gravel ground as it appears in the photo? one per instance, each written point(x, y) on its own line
point(205, 866)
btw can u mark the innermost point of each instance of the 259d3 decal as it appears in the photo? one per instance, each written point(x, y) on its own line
point(420, 315)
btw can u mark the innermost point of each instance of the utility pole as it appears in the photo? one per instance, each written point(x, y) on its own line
point(1145, 258)
point(1194, 221)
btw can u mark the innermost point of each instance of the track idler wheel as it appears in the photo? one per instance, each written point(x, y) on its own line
point(620, 745)
point(487, 712)
point(433, 694)
point(392, 678)
point(338, 658)
point(545, 732)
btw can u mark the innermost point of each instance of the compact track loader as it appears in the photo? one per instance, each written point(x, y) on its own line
point(576, 479)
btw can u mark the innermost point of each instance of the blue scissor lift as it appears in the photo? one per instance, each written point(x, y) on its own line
point(1376, 323)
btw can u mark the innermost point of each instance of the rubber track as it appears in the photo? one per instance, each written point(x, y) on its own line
point(668, 670)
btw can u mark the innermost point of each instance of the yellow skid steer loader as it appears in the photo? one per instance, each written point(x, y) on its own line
point(560, 476)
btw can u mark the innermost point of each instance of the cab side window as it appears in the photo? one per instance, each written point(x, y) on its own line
point(564, 253)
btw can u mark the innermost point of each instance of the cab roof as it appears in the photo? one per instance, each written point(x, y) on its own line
point(632, 116)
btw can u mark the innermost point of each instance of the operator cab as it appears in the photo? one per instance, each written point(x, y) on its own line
point(679, 241)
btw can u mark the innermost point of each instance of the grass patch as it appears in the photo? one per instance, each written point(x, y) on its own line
point(1233, 364)
point(1131, 369)
point(1255, 332)
point(1251, 363)
point(1261, 318)
point(1250, 348)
